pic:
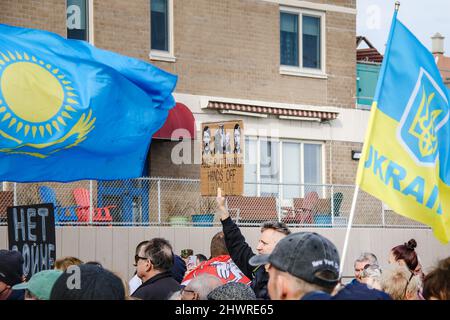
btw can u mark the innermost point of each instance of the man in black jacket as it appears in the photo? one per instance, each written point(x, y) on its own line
point(240, 251)
point(153, 265)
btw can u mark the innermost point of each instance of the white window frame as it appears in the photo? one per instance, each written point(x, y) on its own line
point(280, 159)
point(159, 55)
point(91, 21)
point(300, 71)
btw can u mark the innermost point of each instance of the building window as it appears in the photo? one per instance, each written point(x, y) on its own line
point(161, 30)
point(311, 42)
point(284, 168)
point(160, 25)
point(302, 41)
point(77, 19)
point(289, 39)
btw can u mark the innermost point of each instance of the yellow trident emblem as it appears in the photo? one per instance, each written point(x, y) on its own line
point(423, 126)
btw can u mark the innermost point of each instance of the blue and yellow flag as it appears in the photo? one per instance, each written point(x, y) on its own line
point(406, 155)
point(70, 111)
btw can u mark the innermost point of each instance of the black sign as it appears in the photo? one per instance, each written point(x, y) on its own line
point(31, 231)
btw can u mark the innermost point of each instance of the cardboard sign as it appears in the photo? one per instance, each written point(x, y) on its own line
point(31, 231)
point(222, 158)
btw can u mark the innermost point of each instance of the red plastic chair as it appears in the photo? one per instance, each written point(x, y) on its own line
point(83, 201)
point(303, 209)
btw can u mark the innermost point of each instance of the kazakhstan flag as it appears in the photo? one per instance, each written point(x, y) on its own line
point(70, 111)
point(406, 155)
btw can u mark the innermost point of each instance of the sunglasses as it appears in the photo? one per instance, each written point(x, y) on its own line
point(137, 258)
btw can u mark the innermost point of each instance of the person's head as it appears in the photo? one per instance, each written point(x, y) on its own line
point(64, 263)
point(200, 258)
point(185, 253)
point(154, 257)
point(88, 282)
point(218, 246)
point(436, 285)
point(300, 263)
point(139, 246)
point(95, 263)
point(40, 285)
point(271, 233)
point(206, 139)
point(401, 284)
point(237, 138)
point(179, 268)
point(199, 287)
point(366, 258)
point(405, 255)
point(232, 291)
point(175, 296)
point(11, 271)
point(371, 276)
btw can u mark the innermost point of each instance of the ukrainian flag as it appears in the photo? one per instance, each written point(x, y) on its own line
point(406, 155)
point(70, 111)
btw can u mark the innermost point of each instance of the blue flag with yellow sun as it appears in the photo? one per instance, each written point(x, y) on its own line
point(70, 111)
point(406, 155)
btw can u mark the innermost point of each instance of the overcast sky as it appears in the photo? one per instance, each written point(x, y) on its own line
point(423, 17)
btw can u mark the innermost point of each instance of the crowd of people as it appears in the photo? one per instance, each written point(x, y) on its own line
point(286, 266)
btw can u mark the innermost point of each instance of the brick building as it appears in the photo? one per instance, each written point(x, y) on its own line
point(286, 68)
point(442, 61)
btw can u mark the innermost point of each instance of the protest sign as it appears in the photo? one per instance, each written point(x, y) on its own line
point(222, 158)
point(31, 231)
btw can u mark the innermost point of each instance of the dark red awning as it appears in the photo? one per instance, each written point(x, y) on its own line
point(180, 117)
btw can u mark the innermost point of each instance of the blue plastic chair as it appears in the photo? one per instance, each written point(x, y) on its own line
point(48, 195)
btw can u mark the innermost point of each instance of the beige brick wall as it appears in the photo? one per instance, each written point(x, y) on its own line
point(341, 165)
point(161, 164)
point(47, 15)
point(123, 27)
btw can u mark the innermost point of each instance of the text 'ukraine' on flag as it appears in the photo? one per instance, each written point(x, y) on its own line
point(70, 111)
point(406, 155)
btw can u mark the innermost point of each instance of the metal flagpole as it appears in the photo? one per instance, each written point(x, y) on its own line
point(349, 226)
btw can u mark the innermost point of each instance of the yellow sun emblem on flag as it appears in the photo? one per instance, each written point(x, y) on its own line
point(40, 109)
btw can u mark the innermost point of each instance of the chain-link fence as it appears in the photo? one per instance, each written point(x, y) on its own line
point(177, 202)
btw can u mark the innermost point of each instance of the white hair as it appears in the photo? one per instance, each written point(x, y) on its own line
point(203, 285)
point(373, 272)
point(367, 256)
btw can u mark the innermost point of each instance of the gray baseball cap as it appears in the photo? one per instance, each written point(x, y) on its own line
point(304, 255)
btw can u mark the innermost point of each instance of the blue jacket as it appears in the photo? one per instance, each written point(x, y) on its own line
point(359, 291)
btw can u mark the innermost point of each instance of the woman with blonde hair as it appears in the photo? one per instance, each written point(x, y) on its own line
point(402, 284)
point(64, 263)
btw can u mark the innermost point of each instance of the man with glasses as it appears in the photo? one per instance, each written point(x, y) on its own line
point(153, 266)
point(366, 258)
point(135, 282)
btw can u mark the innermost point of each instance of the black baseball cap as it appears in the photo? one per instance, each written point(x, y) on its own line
point(304, 255)
point(11, 267)
point(96, 283)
